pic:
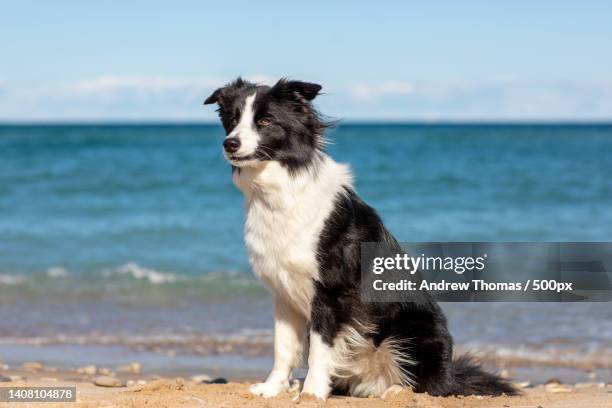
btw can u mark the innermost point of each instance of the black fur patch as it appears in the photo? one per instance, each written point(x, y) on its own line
point(419, 324)
point(294, 136)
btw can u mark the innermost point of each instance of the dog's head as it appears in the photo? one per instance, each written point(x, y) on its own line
point(265, 123)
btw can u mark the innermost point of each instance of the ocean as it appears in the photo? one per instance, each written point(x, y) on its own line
point(125, 241)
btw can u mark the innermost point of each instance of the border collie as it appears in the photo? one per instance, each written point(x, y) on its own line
point(304, 227)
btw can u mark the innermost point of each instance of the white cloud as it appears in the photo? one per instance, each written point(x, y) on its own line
point(262, 79)
point(373, 91)
point(113, 97)
point(116, 88)
point(157, 98)
point(489, 99)
point(138, 86)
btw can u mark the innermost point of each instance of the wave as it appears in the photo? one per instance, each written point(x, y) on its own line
point(57, 272)
point(173, 313)
point(247, 342)
point(130, 269)
point(11, 280)
point(139, 272)
point(126, 283)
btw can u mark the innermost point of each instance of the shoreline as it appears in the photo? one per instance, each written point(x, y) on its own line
point(240, 366)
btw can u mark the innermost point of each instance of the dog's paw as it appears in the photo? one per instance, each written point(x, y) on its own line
point(269, 389)
point(392, 391)
point(317, 388)
point(315, 391)
point(308, 396)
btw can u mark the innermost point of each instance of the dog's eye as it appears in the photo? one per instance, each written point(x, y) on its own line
point(263, 122)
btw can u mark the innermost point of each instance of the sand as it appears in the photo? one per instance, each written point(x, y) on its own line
point(179, 392)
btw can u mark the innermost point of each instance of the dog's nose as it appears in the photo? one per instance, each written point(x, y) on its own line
point(231, 144)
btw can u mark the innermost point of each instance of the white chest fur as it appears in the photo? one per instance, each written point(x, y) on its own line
point(285, 214)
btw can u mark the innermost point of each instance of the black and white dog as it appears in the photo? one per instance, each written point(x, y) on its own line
point(304, 227)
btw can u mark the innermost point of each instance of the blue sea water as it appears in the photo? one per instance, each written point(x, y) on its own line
point(106, 227)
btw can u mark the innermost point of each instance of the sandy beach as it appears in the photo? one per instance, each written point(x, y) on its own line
point(129, 388)
point(197, 196)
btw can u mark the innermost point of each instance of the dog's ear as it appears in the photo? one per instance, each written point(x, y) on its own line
point(217, 96)
point(214, 97)
point(289, 89)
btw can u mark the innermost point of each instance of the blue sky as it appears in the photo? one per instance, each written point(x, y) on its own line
point(459, 60)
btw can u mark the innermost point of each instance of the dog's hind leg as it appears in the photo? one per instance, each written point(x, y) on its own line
point(320, 368)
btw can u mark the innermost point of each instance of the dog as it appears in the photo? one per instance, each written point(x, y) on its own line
point(303, 230)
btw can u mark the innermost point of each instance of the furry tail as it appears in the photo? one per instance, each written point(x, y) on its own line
point(470, 379)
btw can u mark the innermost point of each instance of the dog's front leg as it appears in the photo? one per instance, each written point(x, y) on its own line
point(289, 332)
point(320, 367)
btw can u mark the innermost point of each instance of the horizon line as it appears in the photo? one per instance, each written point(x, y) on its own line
point(346, 122)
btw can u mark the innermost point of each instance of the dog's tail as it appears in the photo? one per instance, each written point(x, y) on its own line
point(470, 379)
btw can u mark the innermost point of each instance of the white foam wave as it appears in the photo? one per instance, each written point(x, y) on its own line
point(139, 272)
point(57, 272)
point(14, 279)
point(9, 279)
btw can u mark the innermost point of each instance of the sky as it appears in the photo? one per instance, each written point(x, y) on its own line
point(384, 60)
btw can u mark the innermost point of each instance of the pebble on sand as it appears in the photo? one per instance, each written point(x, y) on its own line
point(555, 385)
point(89, 370)
point(200, 378)
point(590, 385)
point(294, 385)
point(32, 366)
point(522, 384)
point(219, 380)
point(106, 381)
point(4, 379)
point(133, 368)
point(131, 383)
point(559, 388)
